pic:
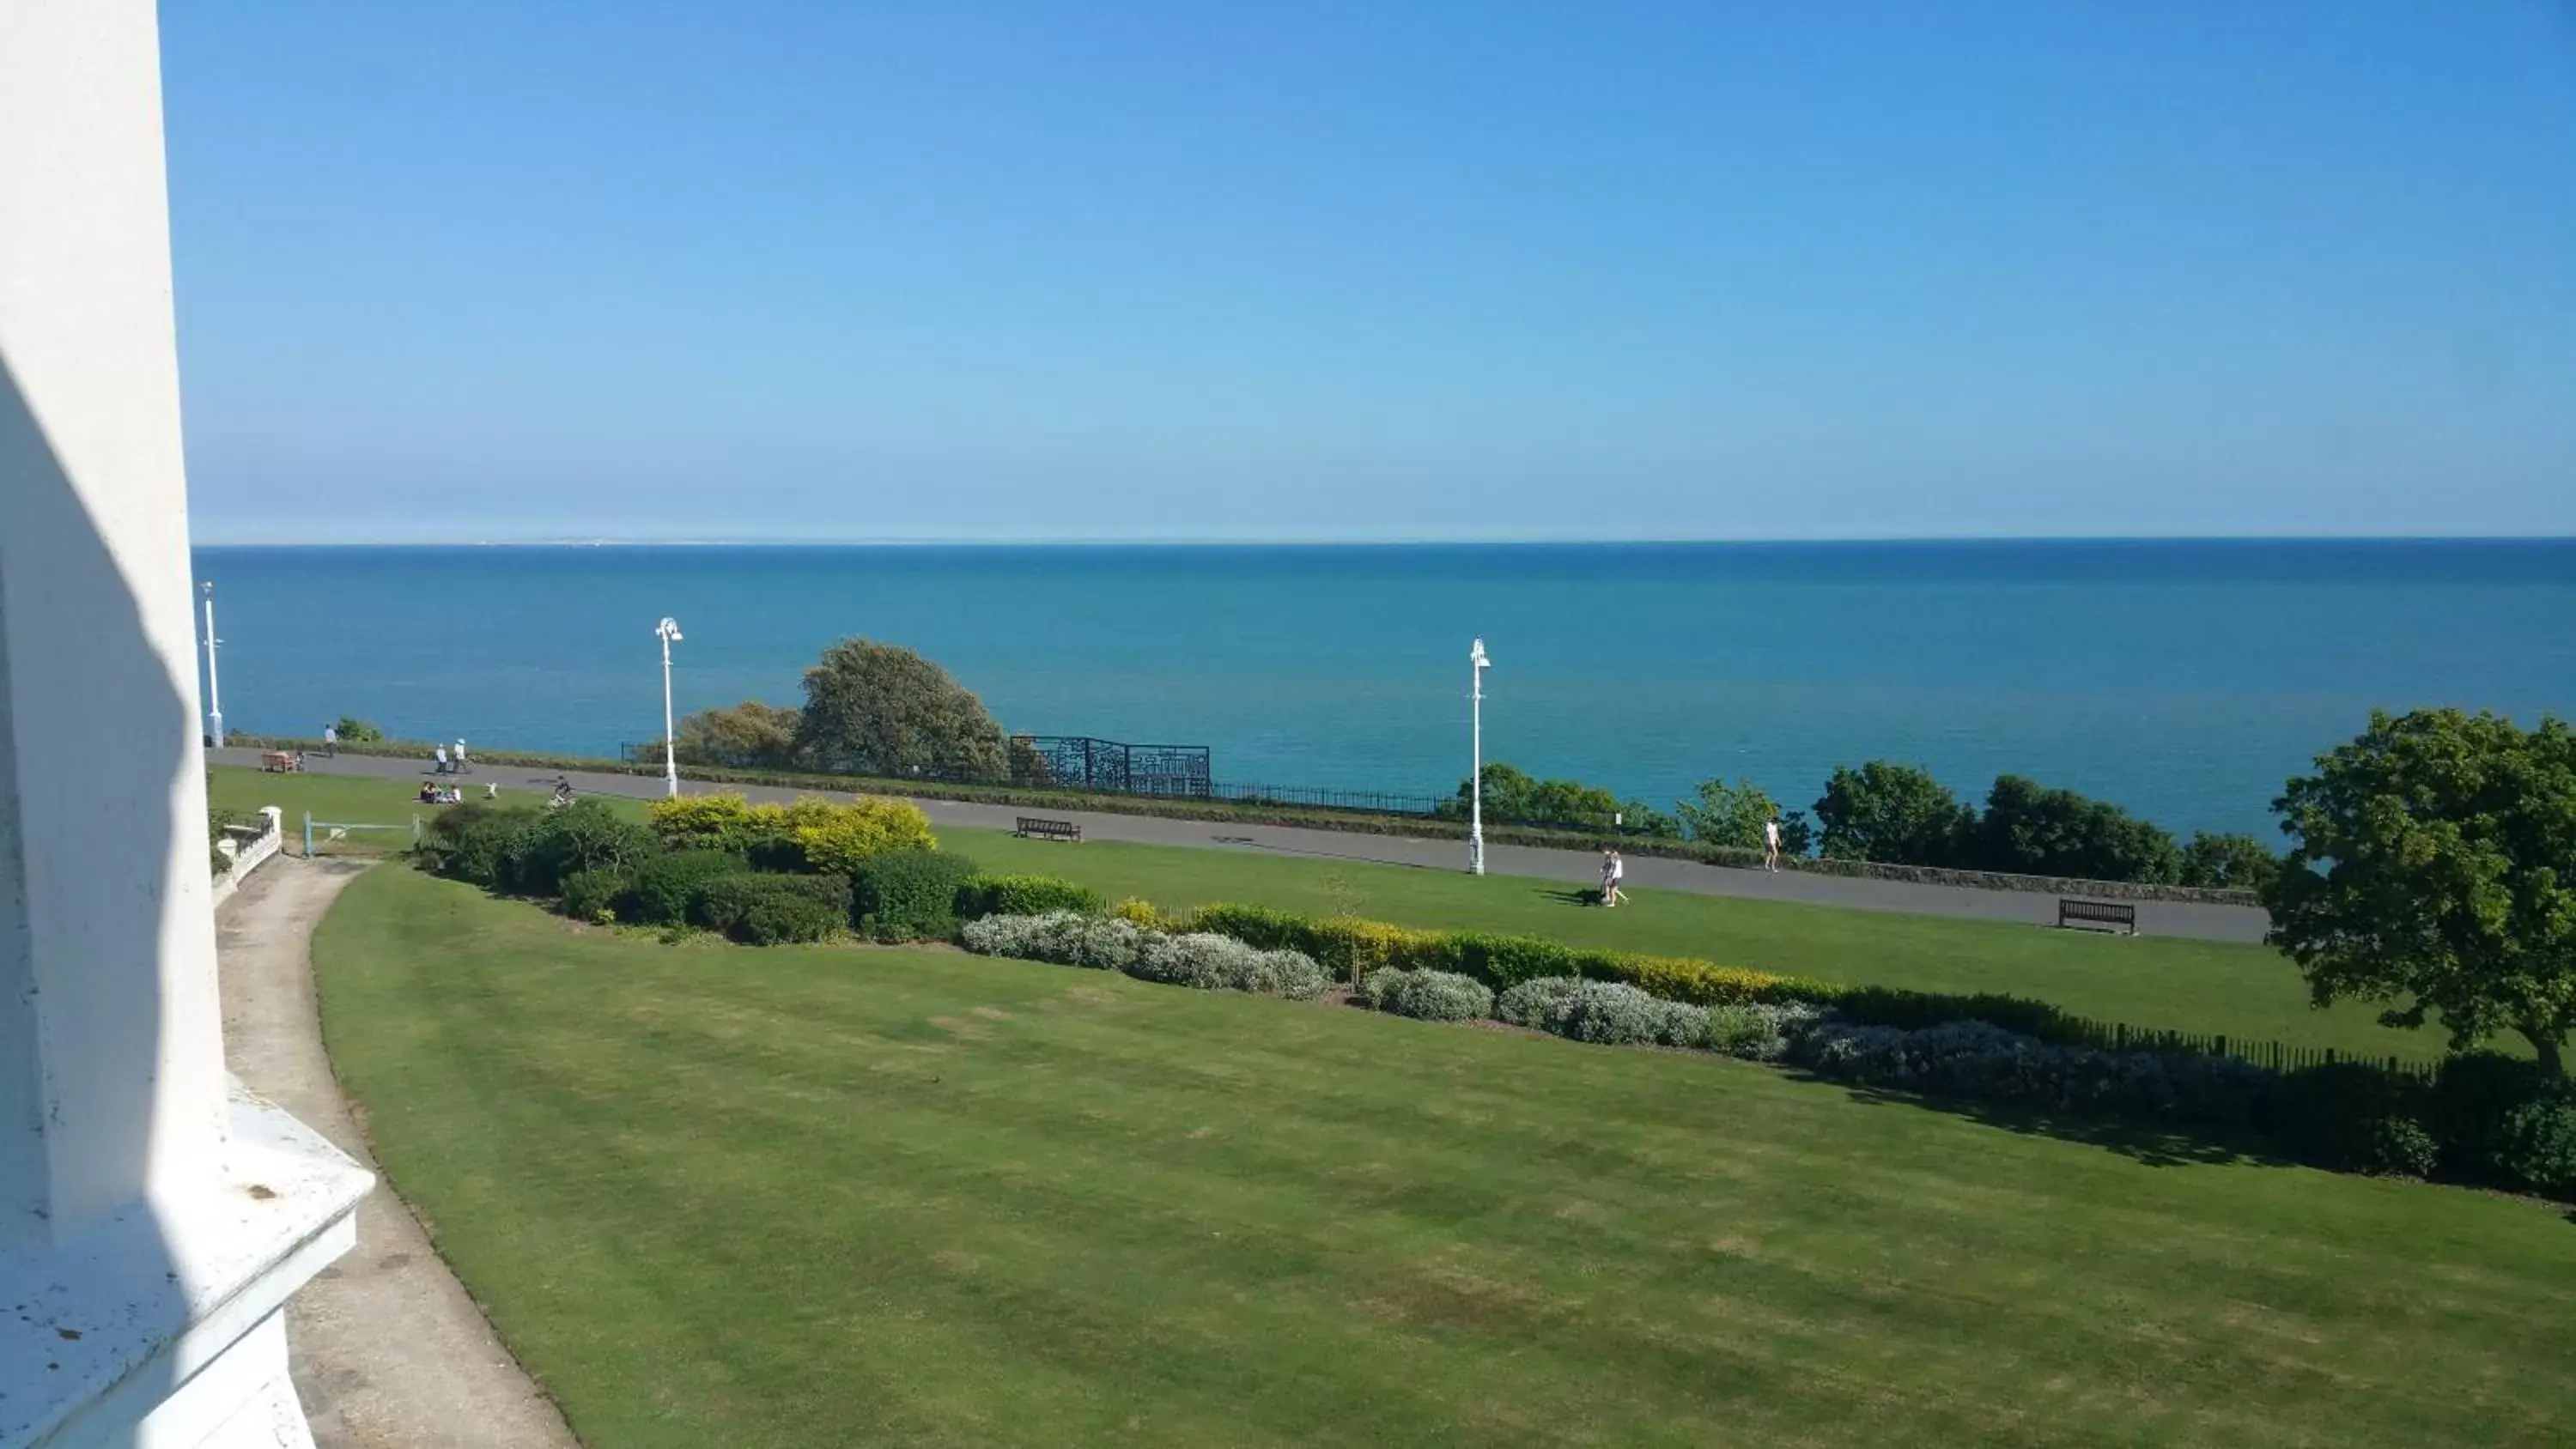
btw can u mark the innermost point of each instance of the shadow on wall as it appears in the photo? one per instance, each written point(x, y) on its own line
point(71, 630)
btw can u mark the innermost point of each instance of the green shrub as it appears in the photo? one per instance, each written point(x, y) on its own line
point(768, 909)
point(658, 892)
point(2474, 1095)
point(2343, 1114)
point(908, 895)
point(591, 895)
point(585, 835)
point(479, 843)
point(2537, 1145)
point(1024, 895)
point(2400, 1147)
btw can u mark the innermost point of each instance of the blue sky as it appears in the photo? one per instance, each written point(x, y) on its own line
point(858, 271)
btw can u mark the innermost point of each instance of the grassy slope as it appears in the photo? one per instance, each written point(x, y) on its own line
point(831, 1196)
point(2204, 986)
point(351, 798)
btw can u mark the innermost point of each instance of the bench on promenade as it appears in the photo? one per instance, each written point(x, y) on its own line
point(1032, 827)
point(2098, 916)
point(281, 762)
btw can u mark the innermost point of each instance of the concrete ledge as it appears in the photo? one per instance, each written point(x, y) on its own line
point(127, 1333)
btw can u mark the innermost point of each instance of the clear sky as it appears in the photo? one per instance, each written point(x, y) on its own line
point(498, 269)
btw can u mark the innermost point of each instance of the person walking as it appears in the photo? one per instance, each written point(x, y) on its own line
point(458, 755)
point(438, 756)
point(1771, 845)
point(1609, 882)
point(331, 741)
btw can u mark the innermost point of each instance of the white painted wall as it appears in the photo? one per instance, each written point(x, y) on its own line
point(100, 772)
point(152, 1221)
point(250, 857)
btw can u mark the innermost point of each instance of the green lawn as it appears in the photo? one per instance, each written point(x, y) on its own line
point(2236, 990)
point(829, 1196)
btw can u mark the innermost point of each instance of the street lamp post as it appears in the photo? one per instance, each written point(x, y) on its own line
point(669, 630)
point(214, 687)
point(1477, 664)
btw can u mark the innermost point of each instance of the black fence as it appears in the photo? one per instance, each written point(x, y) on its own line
point(2275, 1055)
point(1082, 764)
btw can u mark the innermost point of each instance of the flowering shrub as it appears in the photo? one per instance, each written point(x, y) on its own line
point(1211, 962)
point(1982, 1062)
point(1428, 995)
point(1532, 1002)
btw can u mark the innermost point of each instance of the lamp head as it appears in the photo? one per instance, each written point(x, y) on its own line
point(669, 629)
point(1476, 655)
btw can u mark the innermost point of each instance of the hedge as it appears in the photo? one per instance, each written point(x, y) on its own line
point(908, 895)
point(1024, 895)
point(659, 891)
point(768, 909)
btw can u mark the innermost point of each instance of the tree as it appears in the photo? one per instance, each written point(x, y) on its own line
point(2433, 864)
point(1896, 814)
point(749, 736)
point(881, 709)
point(1513, 797)
point(355, 731)
point(1734, 815)
point(2230, 862)
point(2032, 830)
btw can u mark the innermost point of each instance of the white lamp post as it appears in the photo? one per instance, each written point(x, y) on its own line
point(669, 630)
point(1477, 664)
point(214, 687)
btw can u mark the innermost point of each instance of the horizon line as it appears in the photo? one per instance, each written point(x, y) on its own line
point(1222, 541)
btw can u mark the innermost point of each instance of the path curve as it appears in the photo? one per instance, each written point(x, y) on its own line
point(2155, 918)
point(388, 1351)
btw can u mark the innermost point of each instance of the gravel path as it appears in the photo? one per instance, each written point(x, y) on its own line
point(389, 1352)
point(2155, 918)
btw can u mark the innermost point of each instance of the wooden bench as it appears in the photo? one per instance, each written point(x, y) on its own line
point(1033, 828)
point(2098, 916)
point(281, 762)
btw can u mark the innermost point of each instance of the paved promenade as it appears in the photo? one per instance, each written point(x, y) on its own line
point(2155, 918)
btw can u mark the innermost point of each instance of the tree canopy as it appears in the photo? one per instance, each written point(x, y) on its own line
point(2433, 865)
point(881, 709)
point(2033, 830)
point(1514, 797)
point(1896, 814)
point(749, 736)
point(1724, 814)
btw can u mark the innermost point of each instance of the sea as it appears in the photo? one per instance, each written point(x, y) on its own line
point(2184, 680)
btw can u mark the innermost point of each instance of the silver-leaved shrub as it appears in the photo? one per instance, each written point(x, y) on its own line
point(1985, 1063)
point(1427, 994)
point(1532, 1002)
point(1221, 963)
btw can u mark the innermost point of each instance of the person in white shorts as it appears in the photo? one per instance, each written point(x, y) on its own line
point(1618, 873)
point(1771, 844)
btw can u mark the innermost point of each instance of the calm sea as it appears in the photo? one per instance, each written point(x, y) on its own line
point(2185, 680)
